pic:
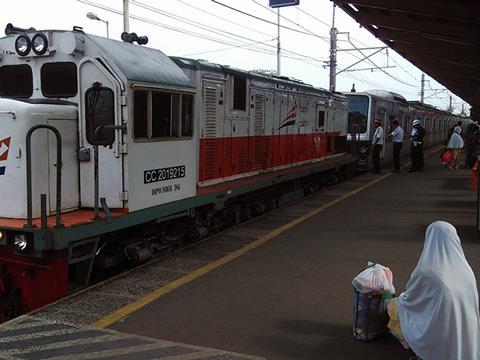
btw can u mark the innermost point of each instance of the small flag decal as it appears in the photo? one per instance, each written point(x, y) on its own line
point(291, 117)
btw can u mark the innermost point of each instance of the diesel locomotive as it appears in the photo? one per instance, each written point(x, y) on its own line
point(111, 152)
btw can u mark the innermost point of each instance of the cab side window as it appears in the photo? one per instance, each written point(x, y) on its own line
point(321, 119)
point(162, 115)
point(99, 111)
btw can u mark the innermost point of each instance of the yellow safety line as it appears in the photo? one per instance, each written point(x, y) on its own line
point(138, 304)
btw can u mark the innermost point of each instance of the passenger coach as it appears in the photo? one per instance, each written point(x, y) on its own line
point(366, 107)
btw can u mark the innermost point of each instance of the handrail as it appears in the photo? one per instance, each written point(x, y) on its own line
point(95, 163)
point(58, 220)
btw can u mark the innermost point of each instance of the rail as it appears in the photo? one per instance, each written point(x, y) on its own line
point(58, 220)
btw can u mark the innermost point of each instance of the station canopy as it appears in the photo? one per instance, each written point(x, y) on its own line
point(440, 37)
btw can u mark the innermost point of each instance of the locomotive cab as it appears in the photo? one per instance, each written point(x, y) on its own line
point(88, 88)
point(32, 94)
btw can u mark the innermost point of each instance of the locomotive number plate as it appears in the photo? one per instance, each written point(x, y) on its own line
point(156, 175)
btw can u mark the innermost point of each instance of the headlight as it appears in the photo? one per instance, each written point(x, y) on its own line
point(20, 242)
point(39, 44)
point(363, 149)
point(2, 235)
point(23, 45)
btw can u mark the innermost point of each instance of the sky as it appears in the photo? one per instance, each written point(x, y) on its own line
point(243, 34)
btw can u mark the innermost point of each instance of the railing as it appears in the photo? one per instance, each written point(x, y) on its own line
point(43, 197)
point(96, 172)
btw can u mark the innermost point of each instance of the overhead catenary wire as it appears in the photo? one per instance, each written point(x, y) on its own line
point(326, 38)
point(211, 28)
point(243, 26)
point(172, 28)
point(349, 39)
point(268, 21)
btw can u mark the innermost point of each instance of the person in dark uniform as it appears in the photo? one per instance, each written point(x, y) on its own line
point(416, 146)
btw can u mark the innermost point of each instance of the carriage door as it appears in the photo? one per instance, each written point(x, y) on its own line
point(100, 104)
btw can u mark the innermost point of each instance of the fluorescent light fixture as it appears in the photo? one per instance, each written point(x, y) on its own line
point(353, 7)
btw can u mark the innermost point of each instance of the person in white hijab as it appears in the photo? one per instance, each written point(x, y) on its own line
point(455, 145)
point(438, 312)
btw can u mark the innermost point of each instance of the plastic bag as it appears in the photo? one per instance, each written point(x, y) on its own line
point(447, 156)
point(375, 279)
point(474, 177)
point(371, 288)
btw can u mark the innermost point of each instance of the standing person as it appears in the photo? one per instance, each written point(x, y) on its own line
point(471, 137)
point(377, 144)
point(459, 124)
point(397, 134)
point(437, 316)
point(416, 146)
point(455, 145)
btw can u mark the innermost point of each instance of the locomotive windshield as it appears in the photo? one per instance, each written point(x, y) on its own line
point(357, 113)
point(16, 81)
point(59, 79)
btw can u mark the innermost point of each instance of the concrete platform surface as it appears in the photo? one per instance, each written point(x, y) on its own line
point(291, 298)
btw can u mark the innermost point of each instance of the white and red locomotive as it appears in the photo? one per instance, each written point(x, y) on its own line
point(110, 152)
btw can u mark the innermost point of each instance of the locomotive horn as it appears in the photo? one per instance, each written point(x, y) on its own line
point(10, 29)
point(131, 37)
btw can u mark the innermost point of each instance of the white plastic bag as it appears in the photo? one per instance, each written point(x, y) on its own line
point(375, 279)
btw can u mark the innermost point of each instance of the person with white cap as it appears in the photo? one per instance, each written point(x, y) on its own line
point(455, 145)
point(377, 144)
point(437, 316)
point(416, 146)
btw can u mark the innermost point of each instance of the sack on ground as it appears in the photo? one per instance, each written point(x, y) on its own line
point(370, 317)
point(376, 279)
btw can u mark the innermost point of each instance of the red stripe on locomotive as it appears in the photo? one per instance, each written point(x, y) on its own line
point(225, 157)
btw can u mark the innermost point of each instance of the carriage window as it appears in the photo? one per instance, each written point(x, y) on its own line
point(59, 79)
point(99, 110)
point(159, 115)
point(239, 93)
point(16, 81)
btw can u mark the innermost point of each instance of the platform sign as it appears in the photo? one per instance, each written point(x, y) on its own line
point(282, 3)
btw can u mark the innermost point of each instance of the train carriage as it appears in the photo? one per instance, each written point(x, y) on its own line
point(111, 152)
point(386, 106)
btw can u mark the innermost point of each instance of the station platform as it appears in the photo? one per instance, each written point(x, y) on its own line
point(278, 287)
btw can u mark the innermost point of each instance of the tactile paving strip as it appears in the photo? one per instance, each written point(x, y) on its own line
point(35, 338)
